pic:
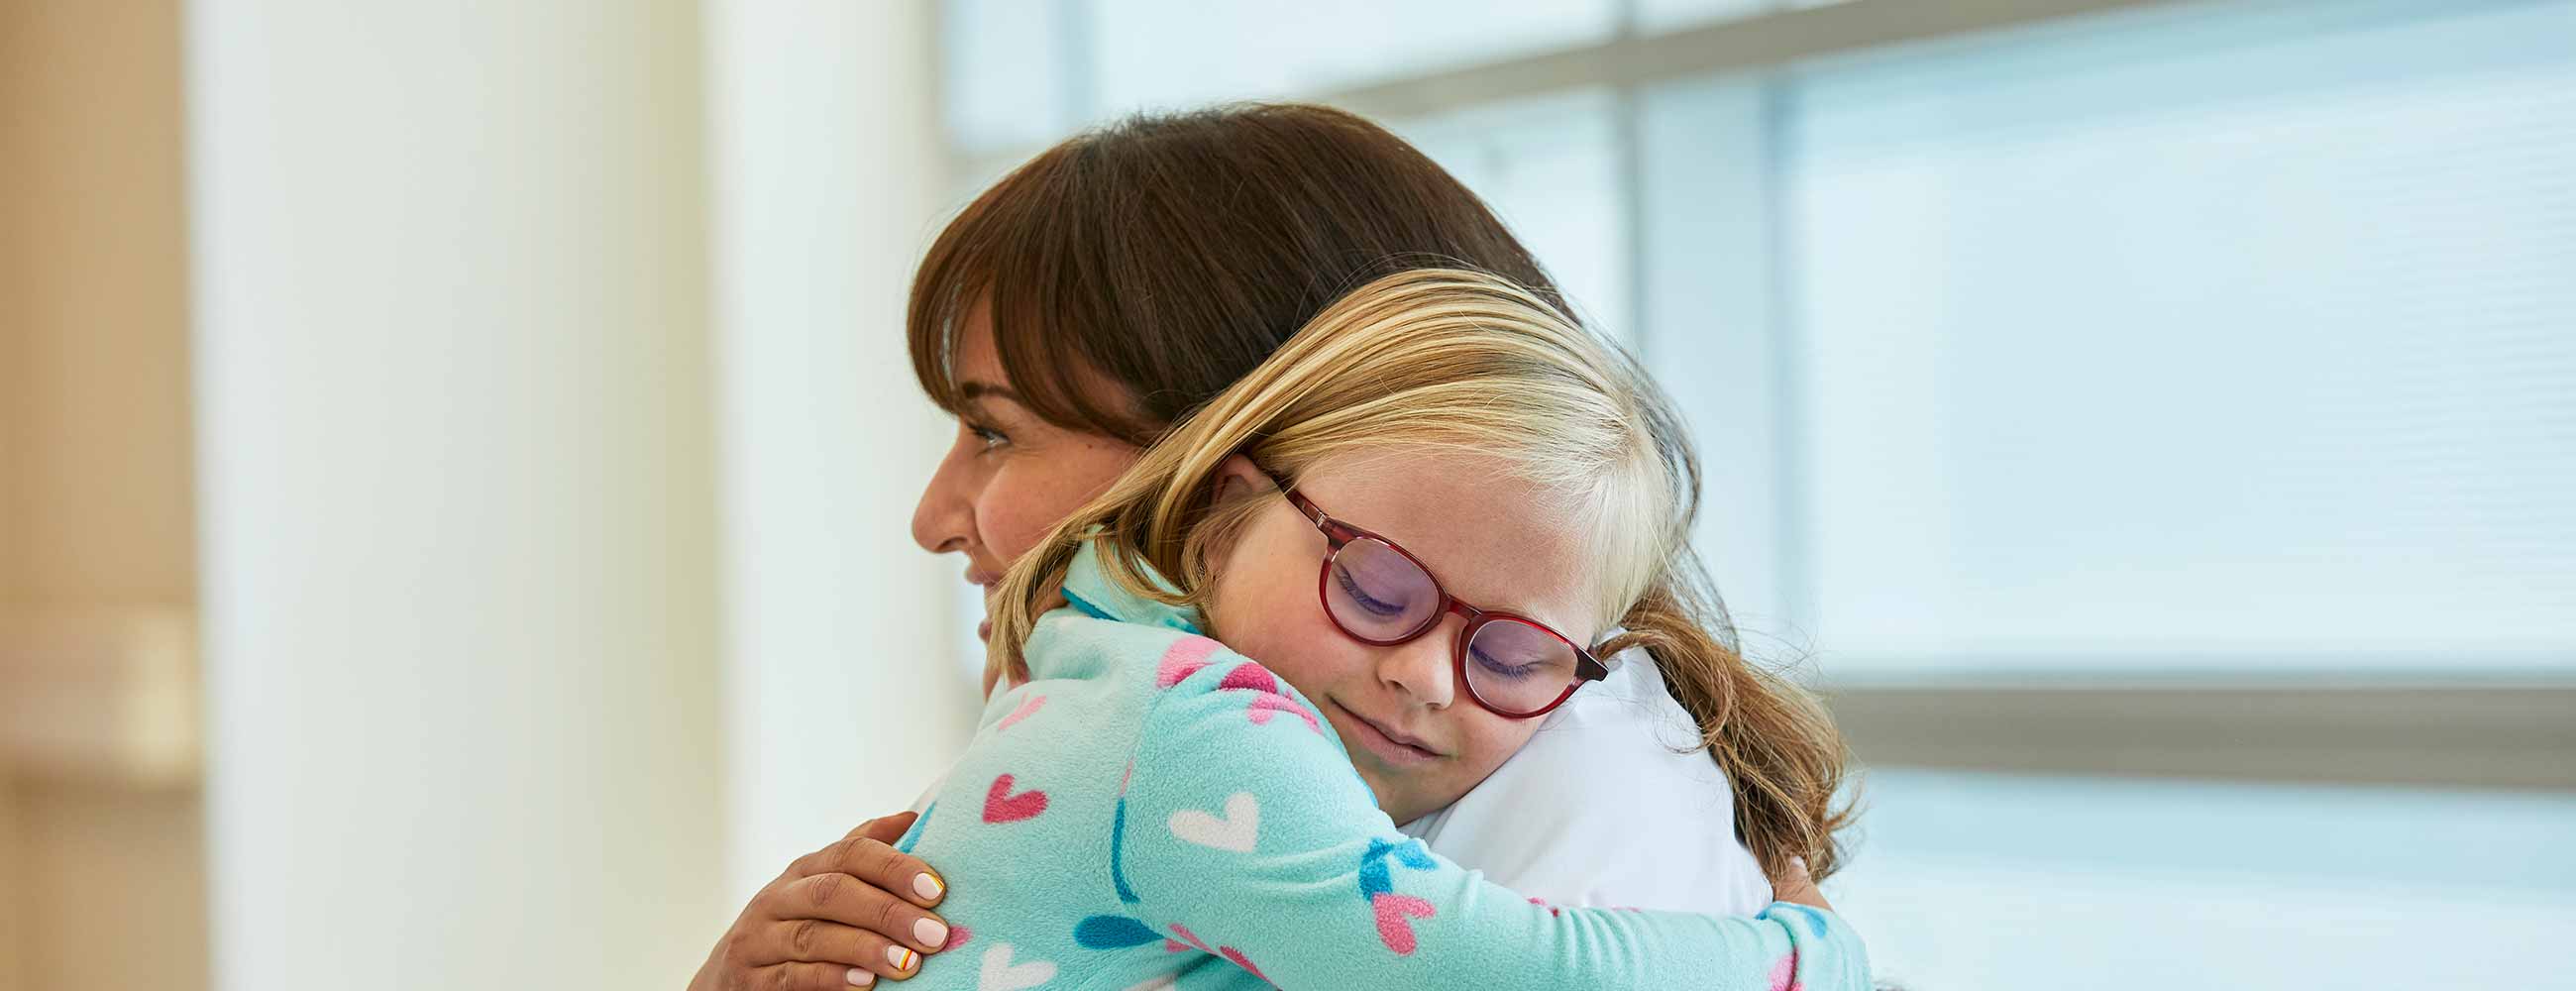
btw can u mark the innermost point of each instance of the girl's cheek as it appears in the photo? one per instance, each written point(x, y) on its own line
point(1487, 746)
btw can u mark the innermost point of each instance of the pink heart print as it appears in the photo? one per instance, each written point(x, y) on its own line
point(1392, 928)
point(1264, 705)
point(1252, 676)
point(1185, 657)
point(1784, 975)
point(1237, 956)
point(1227, 952)
point(1025, 710)
point(957, 936)
point(1002, 806)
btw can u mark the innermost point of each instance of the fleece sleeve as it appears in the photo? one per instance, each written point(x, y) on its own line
point(1245, 833)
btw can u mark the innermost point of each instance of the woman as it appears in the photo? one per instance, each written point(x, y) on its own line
point(1115, 282)
point(1416, 514)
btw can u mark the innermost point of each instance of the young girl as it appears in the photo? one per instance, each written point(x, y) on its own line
point(1149, 808)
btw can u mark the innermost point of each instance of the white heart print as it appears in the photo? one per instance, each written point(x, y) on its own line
point(1002, 975)
point(1238, 831)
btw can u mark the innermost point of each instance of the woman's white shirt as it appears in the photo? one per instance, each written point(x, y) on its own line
point(1610, 803)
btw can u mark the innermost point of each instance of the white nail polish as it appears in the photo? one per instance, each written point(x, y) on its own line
point(931, 933)
point(901, 957)
point(927, 886)
point(860, 978)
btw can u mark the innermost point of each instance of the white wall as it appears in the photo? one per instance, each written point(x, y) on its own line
point(841, 698)
point(457, 506)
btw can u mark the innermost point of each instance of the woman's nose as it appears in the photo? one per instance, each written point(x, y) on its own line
point(1422, 667)
point(944, 520)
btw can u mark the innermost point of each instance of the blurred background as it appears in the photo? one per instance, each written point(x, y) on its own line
point(455, 459)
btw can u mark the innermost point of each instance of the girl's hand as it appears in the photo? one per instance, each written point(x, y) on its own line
point(1795, 887)
point(839, 917)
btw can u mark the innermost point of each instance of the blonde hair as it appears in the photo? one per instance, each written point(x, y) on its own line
point(1460, 361)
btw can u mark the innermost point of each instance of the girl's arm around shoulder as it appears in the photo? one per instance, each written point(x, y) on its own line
point(1248, 835)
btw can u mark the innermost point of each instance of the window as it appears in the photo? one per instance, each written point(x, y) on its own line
point(1551, 167)
point(2157, 421)
point(2206, 342)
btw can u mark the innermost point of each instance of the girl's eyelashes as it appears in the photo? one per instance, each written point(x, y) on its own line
point(1361, 598)
point(1512, 671)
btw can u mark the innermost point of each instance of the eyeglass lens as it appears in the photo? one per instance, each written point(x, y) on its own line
point(1376, 593)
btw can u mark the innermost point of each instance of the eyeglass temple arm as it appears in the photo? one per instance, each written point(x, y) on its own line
point(1314, 514)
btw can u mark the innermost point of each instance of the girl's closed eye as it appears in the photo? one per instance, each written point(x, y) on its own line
point(1505, 668)
point(1384, 603)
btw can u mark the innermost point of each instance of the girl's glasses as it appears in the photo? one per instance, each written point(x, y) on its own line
point(1514, 666)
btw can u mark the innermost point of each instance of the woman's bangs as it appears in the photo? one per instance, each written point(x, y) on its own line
point(1008, 255)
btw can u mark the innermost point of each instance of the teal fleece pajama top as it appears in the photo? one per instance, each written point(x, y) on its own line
point(1152, 810)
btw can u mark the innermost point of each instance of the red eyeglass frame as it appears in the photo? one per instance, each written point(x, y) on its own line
point(1340, 534)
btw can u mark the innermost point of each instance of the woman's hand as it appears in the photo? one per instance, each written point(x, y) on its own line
point(839, 917)
point(1795, 887)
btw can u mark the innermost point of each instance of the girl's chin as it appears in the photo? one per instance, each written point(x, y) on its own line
point(1391, 797)
point(984, 629)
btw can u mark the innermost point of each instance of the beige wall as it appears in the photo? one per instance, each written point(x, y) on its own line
point(95, 268)
point(101, 881)
point(114, 888)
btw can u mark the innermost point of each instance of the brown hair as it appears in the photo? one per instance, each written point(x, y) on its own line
point(1462, 361)
point(1171, 253)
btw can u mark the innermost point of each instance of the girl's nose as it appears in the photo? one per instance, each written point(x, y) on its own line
point(1422, 668)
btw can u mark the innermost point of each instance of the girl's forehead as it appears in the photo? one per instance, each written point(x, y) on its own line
point(1493, 538)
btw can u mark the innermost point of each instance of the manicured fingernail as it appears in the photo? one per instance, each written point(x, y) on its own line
point(931, 933)
point(861, 978)
point(901, 958)
point(926, 885)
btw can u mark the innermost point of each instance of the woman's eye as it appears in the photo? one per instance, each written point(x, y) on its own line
point(1360, 596)
point(987, 436)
